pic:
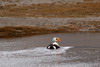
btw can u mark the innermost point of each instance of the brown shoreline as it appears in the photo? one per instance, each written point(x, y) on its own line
point(22, 31)
point(20, 27)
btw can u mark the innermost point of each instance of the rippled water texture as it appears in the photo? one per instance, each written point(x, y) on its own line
point(77, 50)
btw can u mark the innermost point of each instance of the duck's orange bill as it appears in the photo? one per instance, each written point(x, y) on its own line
point(58, 39)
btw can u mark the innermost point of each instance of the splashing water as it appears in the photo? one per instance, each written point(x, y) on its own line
point(39, 51)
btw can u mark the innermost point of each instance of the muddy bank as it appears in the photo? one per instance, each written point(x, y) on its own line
point(21, 31)
point(17, 27)
point(52, 10)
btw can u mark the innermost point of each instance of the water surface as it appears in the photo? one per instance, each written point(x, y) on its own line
point(77, 50)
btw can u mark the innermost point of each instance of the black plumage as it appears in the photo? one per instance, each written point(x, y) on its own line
point(53, 46)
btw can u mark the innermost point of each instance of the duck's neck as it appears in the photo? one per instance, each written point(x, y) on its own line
point(56, 43)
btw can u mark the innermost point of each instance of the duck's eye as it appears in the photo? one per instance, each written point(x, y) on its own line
point(57, 39)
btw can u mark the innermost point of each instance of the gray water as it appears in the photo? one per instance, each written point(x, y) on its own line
point(77, 50)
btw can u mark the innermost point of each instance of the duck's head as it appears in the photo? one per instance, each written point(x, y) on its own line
point(56, 39)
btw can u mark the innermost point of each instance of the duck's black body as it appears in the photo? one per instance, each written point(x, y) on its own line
point(53, 46)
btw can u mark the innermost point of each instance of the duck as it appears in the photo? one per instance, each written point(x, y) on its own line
point(54, 45)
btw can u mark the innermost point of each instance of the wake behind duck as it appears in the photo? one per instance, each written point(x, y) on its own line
point(36, 52)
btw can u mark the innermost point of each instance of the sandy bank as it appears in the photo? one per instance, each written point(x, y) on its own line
point(31, 21)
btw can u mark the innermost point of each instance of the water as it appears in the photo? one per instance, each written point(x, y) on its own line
point(77, 50)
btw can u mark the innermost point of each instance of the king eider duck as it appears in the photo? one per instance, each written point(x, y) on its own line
point(54, 45)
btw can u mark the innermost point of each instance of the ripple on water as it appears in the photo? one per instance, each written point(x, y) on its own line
point(42, 57)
